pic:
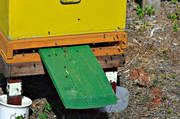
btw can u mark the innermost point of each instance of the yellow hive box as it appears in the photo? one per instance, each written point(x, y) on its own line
point(20, 19)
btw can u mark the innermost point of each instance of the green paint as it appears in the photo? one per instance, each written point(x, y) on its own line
point(78, 77)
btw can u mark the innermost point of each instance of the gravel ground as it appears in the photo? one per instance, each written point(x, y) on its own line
point(151, 73)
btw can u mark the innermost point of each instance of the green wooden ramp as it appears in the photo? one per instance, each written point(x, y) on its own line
point(78, 77)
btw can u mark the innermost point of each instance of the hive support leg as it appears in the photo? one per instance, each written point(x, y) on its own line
point(14, 91)
point(111, 75)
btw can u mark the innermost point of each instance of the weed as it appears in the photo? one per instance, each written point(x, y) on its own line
point(174, 1)
point(163, 98)
point(36, 113)
point(44, 113)
point(140, 12)
point(176, 84)
point(175, 27)
point(174, 100)
point(128, 25)
point(155, 81)
point(47, 107)
point(153, 85)
point(143, 26)
point(161, 80)
point(172, 76)
point(170, 111)
point(43, 116)
point(150, 11)
point(172, 16)
point(19, 117)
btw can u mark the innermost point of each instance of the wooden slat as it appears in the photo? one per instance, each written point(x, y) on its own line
point(36, 68)
point(114, 50)
point(3, 44)
point(67, 40)
point(7, 47)
point(34, 57)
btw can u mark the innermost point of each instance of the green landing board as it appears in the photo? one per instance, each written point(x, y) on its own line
point(78, 77)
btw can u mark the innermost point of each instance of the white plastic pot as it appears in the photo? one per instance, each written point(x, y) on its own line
point(122, 101)
point(12, 111)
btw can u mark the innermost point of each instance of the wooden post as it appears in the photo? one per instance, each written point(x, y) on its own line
point(155, 3)
point(14, 91)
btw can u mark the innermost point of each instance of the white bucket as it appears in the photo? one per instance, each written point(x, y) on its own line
point(122, 101)
point(12, 111)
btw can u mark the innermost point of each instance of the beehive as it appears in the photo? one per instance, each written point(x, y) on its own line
point(21, 19)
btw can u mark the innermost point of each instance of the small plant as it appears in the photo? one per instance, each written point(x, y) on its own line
point(176, 84)
point(43, 116)
point(161, 80)
point(143, 26)
point(36, 113)
point(174, 100)
point(153, 85)
point(128, 25)
point(19, 117)
point(47, 107)
point(172, 76)
point(150, 11)
point(174, 1)
point(175, 27)
point(172, 16)
point(155, 81)
point(140, 12)
point(170, 111)
point(163, 98)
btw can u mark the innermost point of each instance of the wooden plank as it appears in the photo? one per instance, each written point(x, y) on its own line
point(3, 44)
point(34, 57)
point(76, 69)
point(37, 68)
point(114, 61)
point(8, 47)
point(27, 69)
point(4, 68)
point(114, 50)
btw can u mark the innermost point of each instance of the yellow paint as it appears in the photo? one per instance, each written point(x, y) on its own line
point(42, 18)
point(4, 12)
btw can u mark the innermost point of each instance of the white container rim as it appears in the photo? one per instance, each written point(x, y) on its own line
point(24, 104)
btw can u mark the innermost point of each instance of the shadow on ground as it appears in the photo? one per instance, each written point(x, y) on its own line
point(39, 87)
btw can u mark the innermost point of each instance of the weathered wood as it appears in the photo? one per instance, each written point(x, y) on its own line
point(37, 68)
point(155, 3)
point(109, 62)
point(14, 91)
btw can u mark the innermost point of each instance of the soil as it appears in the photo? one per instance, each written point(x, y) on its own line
point(151, 73)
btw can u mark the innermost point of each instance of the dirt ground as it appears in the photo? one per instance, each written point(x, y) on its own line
point(151, 73)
